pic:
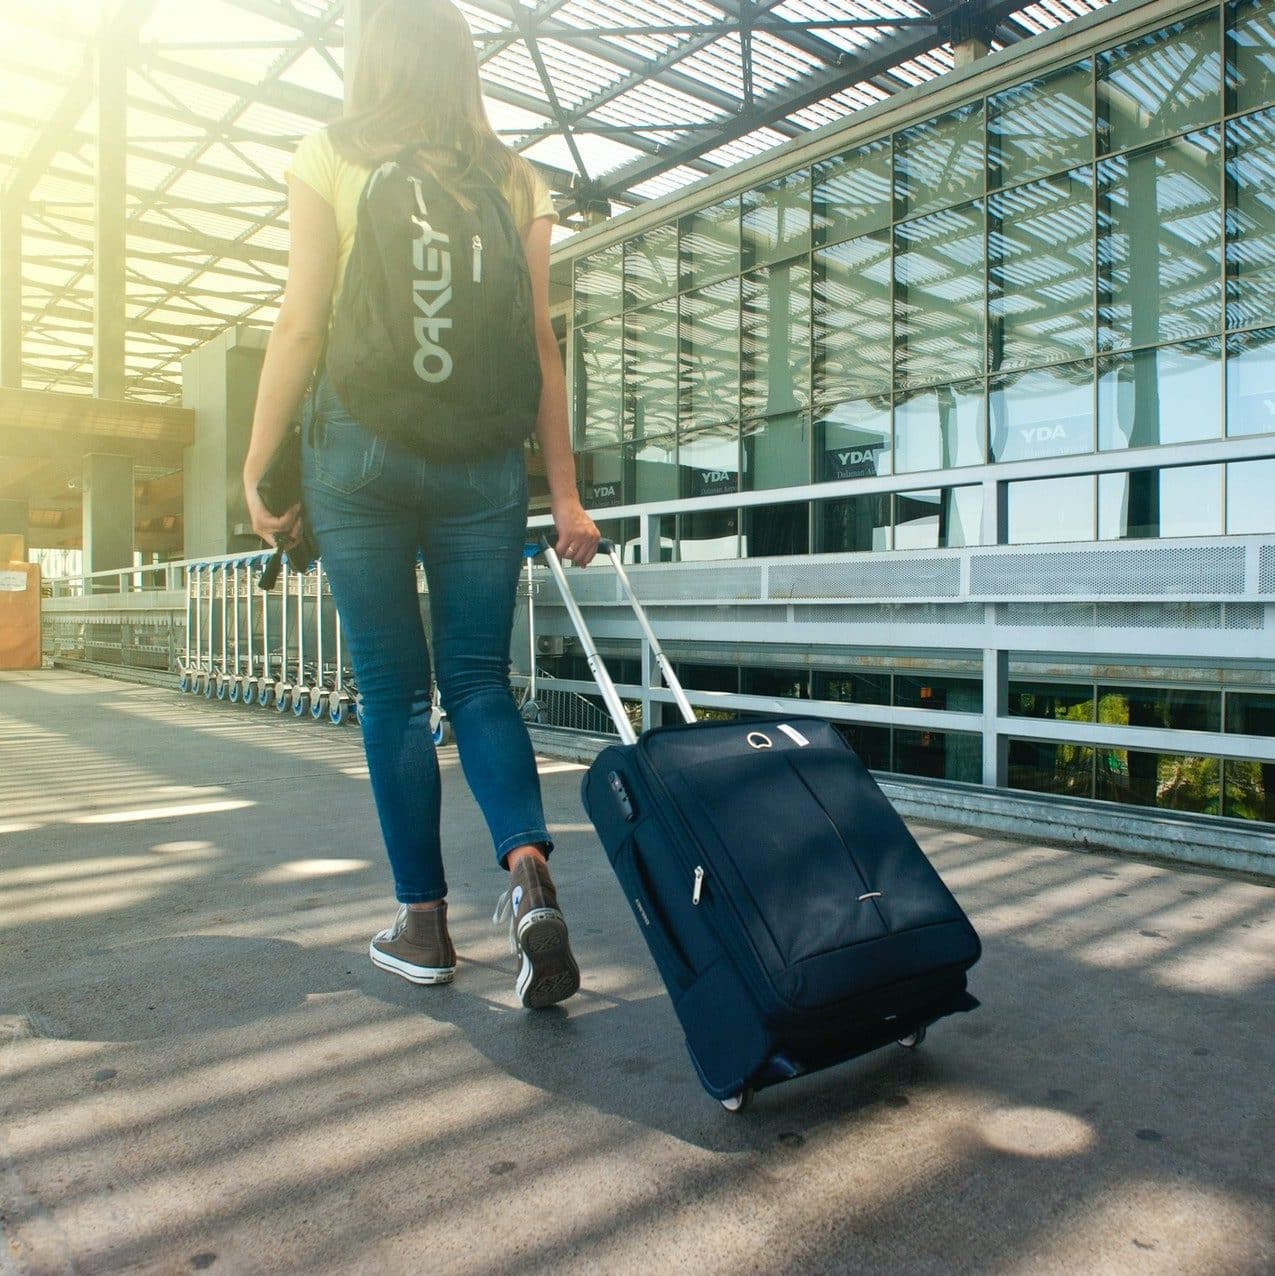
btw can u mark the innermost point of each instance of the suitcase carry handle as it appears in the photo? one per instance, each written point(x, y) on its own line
point(609, 694)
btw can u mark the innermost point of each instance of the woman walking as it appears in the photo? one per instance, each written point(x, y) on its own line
point(374, 503)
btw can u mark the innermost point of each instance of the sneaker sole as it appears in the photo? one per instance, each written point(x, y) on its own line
point(414, 974)
point(549, 973)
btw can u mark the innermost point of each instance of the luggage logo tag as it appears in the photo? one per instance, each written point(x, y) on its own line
point(760, 740)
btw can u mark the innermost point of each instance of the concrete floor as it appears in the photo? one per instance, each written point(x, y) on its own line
point(201, 1070)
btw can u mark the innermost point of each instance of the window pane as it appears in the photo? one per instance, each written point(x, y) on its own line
point(599, 284)
point(853, 524)
point(1164, 83)
point(788, 684)
point(852, 440)
point(940, 289)
point(1041, 127)
point(940, 428)
point(709, 460)
point(1250, 40)
point(1164, 780)
point(1058, 701)
point(1250, 379)
point(1250, 220)
point(650, 265)
point(943, 518)
point(775, 340)
point(650, 379)
point(853, 688)
point(1051, 768)
point(777, 452)
point(1174, 708)
point(709, 244)
point(1160, 396)
point(872, 744)
point(934, 691)
point(1151, 397)
point(776, 220)
point(710, 534)
point(1160, 243)
point(939, 162)
point(1049, 412)
point(709, 364)
point(1185, 501)
point(1250, 712)
point(1045, 510)
point(1040, 271)
point(1250, 497)
point(599, 368)
point(852, 193)
point(1250, 790)
point(941, 755)
point(852, 351)
point(601, 478)
point(772, 530)
point(653, 465)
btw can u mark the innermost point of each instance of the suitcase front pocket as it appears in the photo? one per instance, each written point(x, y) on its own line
point(771, 840)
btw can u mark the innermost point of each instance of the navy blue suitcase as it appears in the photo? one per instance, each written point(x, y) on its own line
point(795, 920)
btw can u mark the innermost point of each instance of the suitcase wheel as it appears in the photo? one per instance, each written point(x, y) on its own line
point(913, 1039)
point(738, 1102)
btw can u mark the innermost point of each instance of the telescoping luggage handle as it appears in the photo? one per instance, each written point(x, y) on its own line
point(609, 694)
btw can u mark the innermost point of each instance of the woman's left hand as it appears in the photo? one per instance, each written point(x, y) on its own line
point(578, 534)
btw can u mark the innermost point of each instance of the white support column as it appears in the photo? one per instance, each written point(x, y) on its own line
point(995, 705)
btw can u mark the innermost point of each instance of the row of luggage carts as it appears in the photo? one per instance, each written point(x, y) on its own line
point(280, 649)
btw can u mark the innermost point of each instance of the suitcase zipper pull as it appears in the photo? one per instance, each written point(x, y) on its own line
point(699, 884)
point(478, 260)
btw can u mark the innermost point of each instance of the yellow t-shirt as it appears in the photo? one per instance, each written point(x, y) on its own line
point(320, 166)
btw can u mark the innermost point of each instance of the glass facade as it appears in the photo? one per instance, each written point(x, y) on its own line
point(1080, 262)
point(984, 325)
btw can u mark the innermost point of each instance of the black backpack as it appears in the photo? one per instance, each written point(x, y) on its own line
point(433, 343)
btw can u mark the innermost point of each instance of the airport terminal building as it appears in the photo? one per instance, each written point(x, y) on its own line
point(956, 421)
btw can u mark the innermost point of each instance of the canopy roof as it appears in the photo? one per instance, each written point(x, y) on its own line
point(618, 101)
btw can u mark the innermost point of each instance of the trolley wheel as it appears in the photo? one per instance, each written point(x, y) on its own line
point(913, 1039)
point(530, 711)
point(339, 710)
point(319, 705)
point(265, 692)
point(442, 732)
point(249, 691)
point(184, 682)
point(282, 697)
point(210, 686)
point(234, 692)
point(223, 686)
point(740, 1102)
point(196, 684)
point(300, 702)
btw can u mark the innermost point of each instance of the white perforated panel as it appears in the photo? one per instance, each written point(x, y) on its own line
point(1164, 569)
point(729, 581)
point(912, 577)
point(1266, 570)
point(891, 614)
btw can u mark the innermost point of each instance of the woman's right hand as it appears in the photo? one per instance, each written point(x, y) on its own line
point(275, 530)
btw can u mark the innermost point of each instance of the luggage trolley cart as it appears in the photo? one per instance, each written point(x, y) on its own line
point(283, 687)
point(186, 669)
point(211, 675)
point(301, 689)
point(322, 693)
point(249, 687)
point(235, 680)
point(340, 702)
point(265, 681)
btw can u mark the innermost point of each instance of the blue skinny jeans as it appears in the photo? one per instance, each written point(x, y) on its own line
point(373, 506)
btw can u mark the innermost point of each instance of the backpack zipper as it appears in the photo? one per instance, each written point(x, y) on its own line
point(478, 259)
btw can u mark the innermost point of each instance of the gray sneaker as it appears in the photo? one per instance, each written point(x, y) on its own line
point(538, 931)
point(417, 947)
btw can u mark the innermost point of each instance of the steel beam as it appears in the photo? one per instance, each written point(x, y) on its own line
point(11, 294)
point(109, 226)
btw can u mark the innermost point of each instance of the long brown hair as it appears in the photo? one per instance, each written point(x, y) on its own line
point(416, 84)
